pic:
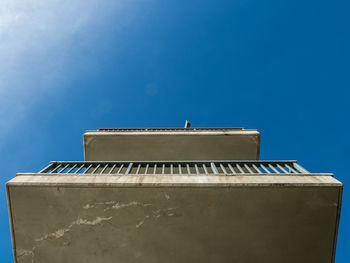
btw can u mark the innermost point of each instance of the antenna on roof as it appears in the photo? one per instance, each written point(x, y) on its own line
point(187, 124)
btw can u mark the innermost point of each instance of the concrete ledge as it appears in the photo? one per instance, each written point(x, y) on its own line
point(174, 181)
point(157, 219)
point(171, 145)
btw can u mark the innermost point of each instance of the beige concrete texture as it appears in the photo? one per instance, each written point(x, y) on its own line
point(157, 219)
point(171, 145)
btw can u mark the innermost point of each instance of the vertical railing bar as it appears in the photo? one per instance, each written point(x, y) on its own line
point(64, 168)
point(180, 170)
point(146, 169)
point(188, 169)
point(71, 169)
point(98, 166)
point(87, 169)
point(120, 168)
point(231, 168)
point(291, 169)
point(300, 168)
point(112, 169)
point(55, 169)
point(283, 170)
point(274, 169)
point(163, 168)
point(196, 167)
point(257, 169)
point(155, 168)
point(213, 168)
point(104, 168)
point(79, 169)
point(205, 168)
point(138, 169)
point(239, 168)
point(129, 168)
point(265, 169)
point(223, 168)
point(248, 168)
point(48, 167)
point(171, 169)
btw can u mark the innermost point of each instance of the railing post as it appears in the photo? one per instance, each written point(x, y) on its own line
point(47, 168)
point(301, 169)
point(213, 167)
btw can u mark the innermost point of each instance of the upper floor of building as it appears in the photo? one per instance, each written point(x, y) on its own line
point(171, 144)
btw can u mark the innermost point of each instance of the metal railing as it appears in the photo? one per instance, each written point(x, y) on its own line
point(175, 168)
point(168, 129)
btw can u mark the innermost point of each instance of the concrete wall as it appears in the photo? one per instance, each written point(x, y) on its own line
point(172, 145)
point(153, 219)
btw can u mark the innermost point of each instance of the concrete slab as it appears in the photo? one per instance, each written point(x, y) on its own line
point(198, 144)
point(174, 218)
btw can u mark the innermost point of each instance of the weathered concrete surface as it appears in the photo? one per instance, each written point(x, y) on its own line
point(218, 219)
point(172, 145)
point(90, 180)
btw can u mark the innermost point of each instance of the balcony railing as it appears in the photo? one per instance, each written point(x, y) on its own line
point(175, 168)
point(169, 129)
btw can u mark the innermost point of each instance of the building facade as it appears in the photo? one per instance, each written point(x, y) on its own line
point(174, 195)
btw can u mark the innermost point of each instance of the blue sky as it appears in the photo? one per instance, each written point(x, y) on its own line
point(281, 67)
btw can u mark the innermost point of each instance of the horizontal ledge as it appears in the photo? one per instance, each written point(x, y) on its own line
point(169, 129)
point(175, 181)
point(183, 174)
point(173, 132)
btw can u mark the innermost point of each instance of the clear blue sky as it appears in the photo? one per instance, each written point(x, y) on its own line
point(281, 67)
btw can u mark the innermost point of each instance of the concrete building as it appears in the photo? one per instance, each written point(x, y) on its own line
point(174, 195)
